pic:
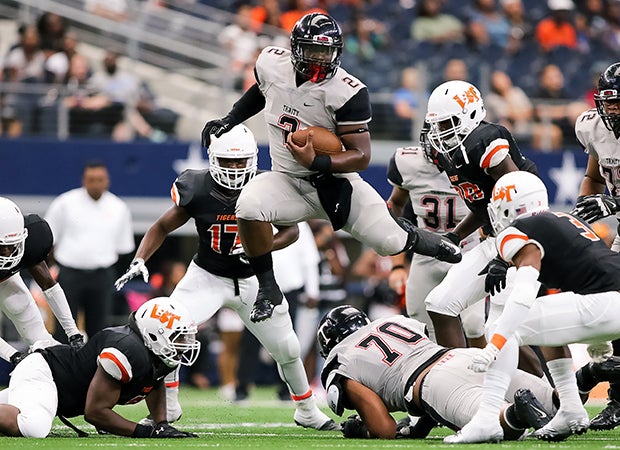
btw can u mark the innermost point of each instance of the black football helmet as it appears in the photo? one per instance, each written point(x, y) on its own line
point(316, 46)
point(609, 90)
point(337, 324)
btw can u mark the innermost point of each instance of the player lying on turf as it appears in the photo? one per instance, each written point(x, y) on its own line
point(119, 365)
point(389, 365)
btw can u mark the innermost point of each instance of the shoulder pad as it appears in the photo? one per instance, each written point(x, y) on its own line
point(335, 394)
point(115, 364)
point(494, 153)
point(510, 241)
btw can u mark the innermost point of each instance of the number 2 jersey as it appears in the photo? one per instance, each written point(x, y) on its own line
point(486, 147)
point(601, 143)
point(213, 210)
point(120, 351)
point(38, 245)
point(574, 258)
point(340, 100)
point(383, 356)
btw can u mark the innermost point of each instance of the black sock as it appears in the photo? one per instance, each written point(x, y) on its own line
point(512, 419)
point(585, 379)
point(261, 264)
point(263, 269)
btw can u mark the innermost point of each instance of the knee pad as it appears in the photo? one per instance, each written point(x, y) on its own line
point(472, 320)
point(34, 424)
point(287, 350)
point(438, 301)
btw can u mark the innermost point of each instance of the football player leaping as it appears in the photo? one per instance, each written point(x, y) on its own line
point(24, 244)
point(219, 274)
point(307, 87)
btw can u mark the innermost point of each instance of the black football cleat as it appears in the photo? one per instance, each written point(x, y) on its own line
point(608, 370)
point(608, 418)
point(262, 310)
point(529, 410)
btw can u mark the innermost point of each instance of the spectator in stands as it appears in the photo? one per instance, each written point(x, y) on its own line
point(92, 227)
point(52, 29)
point(366, 36)
point(610, 36)
point(487, 26)
point(91, 112)
point(24, 64)
point(152, 121)
point(57, 65)
point(267, 12)
point(406, 103)
point(556, 106)
point(557, 29)
point(295, 10)
point(590, 19)
point(521, 27)
point(509, 106)
point(434, 26)
point(115, 10)
point(241, 43)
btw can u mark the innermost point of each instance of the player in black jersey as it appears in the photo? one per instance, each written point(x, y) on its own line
point(117, 366)
point(473, 153)
point(219, 274)
point(562, 252)
point(24, 244)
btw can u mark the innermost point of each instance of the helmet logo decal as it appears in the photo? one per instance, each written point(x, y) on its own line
point(165, 317)
point(469, 96)
point(504, 192)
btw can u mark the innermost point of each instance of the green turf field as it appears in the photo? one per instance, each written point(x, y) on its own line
point(263, 422)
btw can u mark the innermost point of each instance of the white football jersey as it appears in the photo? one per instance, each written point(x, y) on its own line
point(383, 355)
point(601, 143)
point(436, 204)
point(289, 108)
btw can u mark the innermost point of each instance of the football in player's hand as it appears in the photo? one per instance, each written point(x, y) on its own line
point(324, 141)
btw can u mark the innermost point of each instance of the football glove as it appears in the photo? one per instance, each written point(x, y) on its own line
point(162, 430)
point(354, 428)
point(217, 128)
point(136, 268)
point(484, 358)
point(428, 243)
point(601, 351)
point(76, 341)
point(495, 272)
point(17, 357)
point(595, 207)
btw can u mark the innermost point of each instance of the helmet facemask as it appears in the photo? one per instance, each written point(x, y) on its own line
point(13, 235)
point(316, 47)
point(168, 331)
point(233, 158)
point(516, 194)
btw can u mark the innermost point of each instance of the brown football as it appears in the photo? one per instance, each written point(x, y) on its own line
point(324, 141)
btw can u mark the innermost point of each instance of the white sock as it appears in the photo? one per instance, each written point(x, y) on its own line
point(494, 390)
point(561, 371)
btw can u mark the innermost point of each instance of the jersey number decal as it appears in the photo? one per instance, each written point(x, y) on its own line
point(216, 235)
point(391, 330)
point(587, 233)
point(469, 191)
point(434, 217)
point(289, 124)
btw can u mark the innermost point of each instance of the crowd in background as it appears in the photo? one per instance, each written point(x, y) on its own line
point(536, 62)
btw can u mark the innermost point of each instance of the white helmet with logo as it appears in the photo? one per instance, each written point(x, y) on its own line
point(516, 194)
point(13, 234)
point(168, 331)
point(455, 108)
point(237, 144)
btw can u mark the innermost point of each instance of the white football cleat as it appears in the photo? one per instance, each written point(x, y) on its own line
point(475, 432)
point(564, 424)
point(308, 415)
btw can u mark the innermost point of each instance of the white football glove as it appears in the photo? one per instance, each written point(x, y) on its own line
point(136, 268)
point(601, 351)
point(484, 358)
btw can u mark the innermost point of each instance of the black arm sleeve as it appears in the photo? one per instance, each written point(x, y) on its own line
point(250, 104)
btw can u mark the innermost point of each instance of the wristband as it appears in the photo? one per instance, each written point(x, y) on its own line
point(142, 431)
point(322, 164)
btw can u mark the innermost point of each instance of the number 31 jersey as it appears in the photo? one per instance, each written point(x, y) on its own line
point(340, 100)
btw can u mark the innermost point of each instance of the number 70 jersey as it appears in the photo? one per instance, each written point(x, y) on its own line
point(382, 356)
